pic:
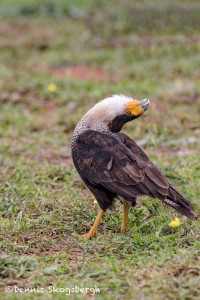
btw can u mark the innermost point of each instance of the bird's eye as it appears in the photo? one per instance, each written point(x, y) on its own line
point(128, 113)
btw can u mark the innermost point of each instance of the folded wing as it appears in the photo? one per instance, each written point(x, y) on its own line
point(118, 164)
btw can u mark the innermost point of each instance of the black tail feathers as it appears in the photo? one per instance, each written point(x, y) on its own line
point(179, 203)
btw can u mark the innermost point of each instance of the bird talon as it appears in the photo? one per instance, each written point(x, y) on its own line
point(89, 235)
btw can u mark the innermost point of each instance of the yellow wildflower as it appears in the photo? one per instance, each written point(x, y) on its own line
point(178, 83)
point(52, 88)
point(175, 223)
point(95, 201)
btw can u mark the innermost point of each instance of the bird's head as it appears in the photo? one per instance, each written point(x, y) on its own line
point(117, 110)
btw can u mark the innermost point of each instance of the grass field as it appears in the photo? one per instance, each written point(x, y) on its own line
point(90, 50)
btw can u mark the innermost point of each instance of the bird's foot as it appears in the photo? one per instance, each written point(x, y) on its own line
point(89, 235)
point(93, 230)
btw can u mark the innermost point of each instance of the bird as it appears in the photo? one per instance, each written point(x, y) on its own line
point(113, 166)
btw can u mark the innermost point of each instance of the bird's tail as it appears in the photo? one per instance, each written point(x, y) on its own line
point(179, 203)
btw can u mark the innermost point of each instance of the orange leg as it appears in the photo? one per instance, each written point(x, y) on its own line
point(125, 218)
point(92, 232)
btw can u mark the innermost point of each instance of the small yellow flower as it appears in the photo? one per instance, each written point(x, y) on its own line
point(178, 83)
point(52, 88)
point(95, 201)
point(175, 223)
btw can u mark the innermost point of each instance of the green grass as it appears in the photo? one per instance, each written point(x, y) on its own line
point(147, 49)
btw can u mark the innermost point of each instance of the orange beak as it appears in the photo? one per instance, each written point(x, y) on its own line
point(136, 108)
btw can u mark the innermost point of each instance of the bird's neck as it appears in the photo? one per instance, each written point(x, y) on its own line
point(118, 122)
point(89, 123)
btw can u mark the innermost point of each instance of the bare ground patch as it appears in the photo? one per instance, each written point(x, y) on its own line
point(82, 72)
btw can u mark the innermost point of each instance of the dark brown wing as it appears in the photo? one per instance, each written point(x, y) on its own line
point(154, 179)
point(119, 165)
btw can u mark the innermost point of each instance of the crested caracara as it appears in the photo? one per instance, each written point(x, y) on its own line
point(114, 166)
